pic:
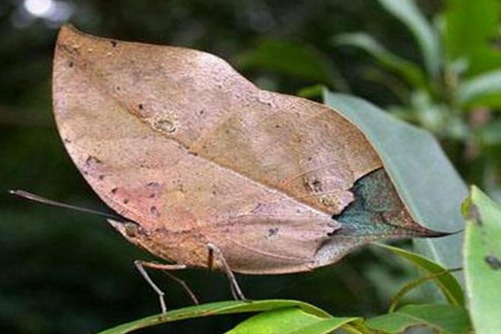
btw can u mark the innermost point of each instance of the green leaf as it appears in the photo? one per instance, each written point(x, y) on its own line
point(411, 285)
point(447, 319)
point(408, 70)
point(285, 320)
point(423, 176)
point(447, 282)
point(289, 321)
point(292, 59)
point(326, 326)
point(484, 60)
point(410, 15)
point(217, 308)
point(463, 39)
point(311, 91)
point(482, 261)
point(484, 90)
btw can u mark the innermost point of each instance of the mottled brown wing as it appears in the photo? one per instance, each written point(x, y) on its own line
point(177, 141)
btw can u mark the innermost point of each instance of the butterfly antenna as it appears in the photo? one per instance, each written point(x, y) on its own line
point(40, 199)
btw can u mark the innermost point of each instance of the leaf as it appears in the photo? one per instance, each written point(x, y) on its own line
point(414, 284)
point(408, 70)
point(219, 308)
point(484, 60)
point(472, 41)
point(279, 321)
point(410, 15)
point(293, 59)
point(482, 261)
point(289, 321)
point(447, 319)
point(191, 154)
point(423, 176)
point(311, 91)
point(447, 282)
point(327, 326)
point(483, 90)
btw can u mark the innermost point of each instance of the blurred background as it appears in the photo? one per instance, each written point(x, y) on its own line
point(67, 272)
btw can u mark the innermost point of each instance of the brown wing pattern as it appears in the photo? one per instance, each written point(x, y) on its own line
point(177, 141)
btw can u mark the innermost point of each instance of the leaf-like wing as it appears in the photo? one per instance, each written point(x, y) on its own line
point(177, 141)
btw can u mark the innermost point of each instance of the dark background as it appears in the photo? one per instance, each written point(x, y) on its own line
point(67, 272)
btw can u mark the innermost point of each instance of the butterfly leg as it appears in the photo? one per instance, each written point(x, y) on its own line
point(184, 285)
point(235, 288)
point(140, 265)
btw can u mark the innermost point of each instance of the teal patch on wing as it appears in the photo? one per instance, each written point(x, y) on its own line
point(377, 211)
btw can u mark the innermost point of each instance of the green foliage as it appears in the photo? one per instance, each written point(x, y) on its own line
point(410, 15)
point(445, 319)
point(482, 261)
point(445, 281)
point(411, 72)
point(460, 76)
point(481, 91)
point(290, 321)
point(228, 307)
point(277, 316)
point(471, 29)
